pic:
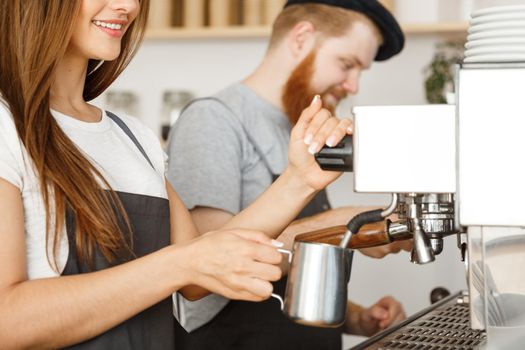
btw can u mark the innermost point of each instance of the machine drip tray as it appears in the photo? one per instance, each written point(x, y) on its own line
point(442, 326)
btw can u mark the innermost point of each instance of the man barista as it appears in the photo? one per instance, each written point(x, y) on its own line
point(234, 144)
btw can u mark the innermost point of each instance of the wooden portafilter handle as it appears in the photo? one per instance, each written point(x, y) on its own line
point(370, 235)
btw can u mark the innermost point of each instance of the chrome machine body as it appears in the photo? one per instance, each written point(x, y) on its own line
point(491, 188)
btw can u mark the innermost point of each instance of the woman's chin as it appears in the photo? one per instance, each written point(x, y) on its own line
point(109, 55)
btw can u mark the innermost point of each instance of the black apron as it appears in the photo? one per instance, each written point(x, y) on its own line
point(150, 223)
point(261, 326)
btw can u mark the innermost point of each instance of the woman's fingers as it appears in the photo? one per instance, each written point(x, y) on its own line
point(259, 247)
point(264, 271)
point(243, 289)
point(266, 255)
point(258, 237)
point(249, 288)
point(242, 262)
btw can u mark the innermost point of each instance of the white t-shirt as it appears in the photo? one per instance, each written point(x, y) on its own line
point(106, 146)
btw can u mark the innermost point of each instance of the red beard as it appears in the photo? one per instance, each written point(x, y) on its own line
point(298, 92)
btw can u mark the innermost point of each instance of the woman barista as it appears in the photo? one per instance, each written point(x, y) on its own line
point(86, 259)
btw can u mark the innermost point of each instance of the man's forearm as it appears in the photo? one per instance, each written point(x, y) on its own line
point(276, 207)
point(353, 313)
point(332, 217)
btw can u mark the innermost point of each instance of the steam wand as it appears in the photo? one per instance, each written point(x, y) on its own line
point(367, 217)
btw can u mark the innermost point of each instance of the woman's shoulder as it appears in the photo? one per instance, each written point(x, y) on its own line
point(139, 128)
point(6, 117)
point(7, 125)
point(11, 149)
point(147, 139)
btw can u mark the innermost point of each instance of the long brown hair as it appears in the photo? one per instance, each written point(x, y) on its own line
point(34, 36)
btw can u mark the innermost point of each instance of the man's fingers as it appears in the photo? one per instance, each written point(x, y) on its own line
point(392, 248)
point(379, 313)
point(400, 317)
point(316, 124)
point(406, 245)
point(306, 117)
point(330, 133)
point(325, 130)
point(394, 311)
point(375, 252)
point(343, 128)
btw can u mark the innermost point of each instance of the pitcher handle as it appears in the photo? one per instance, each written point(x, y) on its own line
point(275, 295)
point(278, 297)
point(287, 252)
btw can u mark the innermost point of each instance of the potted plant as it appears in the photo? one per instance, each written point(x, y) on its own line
point(439, 74)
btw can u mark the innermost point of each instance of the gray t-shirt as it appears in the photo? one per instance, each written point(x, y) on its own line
point(212, 158)
point(214, 161)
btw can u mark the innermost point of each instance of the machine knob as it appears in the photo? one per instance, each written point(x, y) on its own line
point(337, 158)
point(438, 293)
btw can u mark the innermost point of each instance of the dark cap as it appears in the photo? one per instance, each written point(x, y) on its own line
point(393, 38)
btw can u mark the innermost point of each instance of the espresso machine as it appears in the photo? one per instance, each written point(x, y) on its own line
point(456, 171)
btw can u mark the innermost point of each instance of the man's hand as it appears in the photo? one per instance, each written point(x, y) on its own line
point(315, 128)
point(392, 248)
point(368, 321)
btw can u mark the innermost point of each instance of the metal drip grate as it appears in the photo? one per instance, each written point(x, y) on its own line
point(444, 328)
point(447, 329)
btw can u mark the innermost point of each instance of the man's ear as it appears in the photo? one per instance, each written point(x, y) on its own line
point(301, 39)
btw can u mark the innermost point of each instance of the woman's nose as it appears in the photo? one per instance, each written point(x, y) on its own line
point(125, 6)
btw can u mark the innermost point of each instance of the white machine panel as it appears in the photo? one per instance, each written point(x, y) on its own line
point(491, 183)
point(404, 149)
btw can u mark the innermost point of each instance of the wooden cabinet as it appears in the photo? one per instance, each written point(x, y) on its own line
point(160, 14)
point(220, 13)
point(456, 29)
point(189, 19)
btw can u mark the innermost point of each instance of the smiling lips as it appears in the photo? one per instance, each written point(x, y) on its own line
point(113, 28)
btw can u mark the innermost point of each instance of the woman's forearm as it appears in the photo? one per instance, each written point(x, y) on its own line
point(56, 312)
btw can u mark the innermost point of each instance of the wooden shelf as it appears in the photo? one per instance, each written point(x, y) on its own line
point(459, 28)
point(209, 33)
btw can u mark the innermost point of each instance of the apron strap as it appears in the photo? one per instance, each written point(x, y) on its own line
point(128, 132)
point(258, 150)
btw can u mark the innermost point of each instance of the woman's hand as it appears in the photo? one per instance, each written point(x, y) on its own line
point(315, 128)
point(238, 264)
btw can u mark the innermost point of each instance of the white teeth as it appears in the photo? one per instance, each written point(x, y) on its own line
point(113, 26)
